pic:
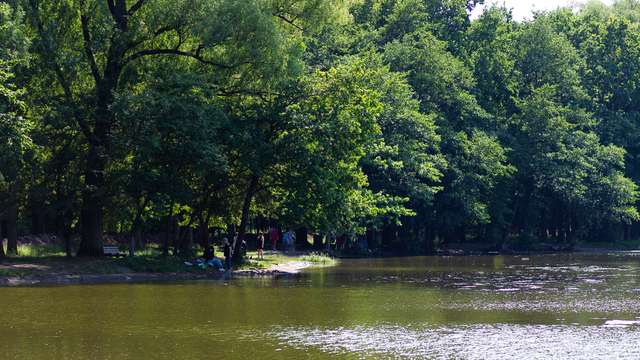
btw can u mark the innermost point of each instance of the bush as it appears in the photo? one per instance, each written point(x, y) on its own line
point(318, 258)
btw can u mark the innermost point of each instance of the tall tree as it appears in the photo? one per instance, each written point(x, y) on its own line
point(169, 146)
point(14, 127)
point(88, 51)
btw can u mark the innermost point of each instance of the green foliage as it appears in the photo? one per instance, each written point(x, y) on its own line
point(332, 124)
point(15, 142)
point(398, 113)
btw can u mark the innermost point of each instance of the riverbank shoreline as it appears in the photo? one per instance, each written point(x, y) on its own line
point(55, 273)
point(48, 276)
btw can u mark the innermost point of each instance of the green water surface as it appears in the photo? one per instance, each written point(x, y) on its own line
point(573, 306)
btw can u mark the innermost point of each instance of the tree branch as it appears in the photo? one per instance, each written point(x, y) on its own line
point(290, 22)
point(132, 10)
point(112, 7)
point(87, 49)
point(63, 82)
point(158, 32)
point(180, 53)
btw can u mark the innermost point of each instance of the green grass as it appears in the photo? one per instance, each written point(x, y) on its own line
point(278, 258)
point(38, 253)
point(20, 273)
point(252, 261)
point(255, 263)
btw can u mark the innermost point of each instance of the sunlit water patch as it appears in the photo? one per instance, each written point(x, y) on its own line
point(480, 341)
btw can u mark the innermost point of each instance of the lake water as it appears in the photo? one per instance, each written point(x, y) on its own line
point(569, 306)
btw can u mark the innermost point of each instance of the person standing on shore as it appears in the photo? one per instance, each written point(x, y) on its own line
point(274, 237)
point(285, 239)
point(260, 246)
point(227, 254)
point(291, 238)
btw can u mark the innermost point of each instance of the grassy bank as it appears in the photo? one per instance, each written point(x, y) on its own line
point(52, 259)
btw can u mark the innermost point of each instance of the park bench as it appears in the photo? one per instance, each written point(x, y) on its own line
point(112, 251)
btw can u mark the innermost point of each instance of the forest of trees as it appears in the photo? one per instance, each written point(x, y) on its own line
point(401, 119)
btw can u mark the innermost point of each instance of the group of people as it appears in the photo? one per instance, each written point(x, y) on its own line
point(340, 240)
point(209, 256)
point(288, 237)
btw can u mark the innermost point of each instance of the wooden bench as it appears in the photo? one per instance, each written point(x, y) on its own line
point(113, 251)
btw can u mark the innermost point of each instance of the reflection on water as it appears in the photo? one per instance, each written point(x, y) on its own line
point(574, 306)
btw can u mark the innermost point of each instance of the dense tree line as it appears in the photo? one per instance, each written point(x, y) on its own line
point(401, 120)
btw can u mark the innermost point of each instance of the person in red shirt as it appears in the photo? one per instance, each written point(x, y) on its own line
point(274, 237)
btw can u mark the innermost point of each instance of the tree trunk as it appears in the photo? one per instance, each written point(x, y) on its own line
point(100, 135)
point(317, 241)
point(67, 243)
point(505, 235)
point(140, 242)
point(186, 241)
point(176, 234)
point(301, 236)
point(561, 228)
point(402, 230)
point(37, 219)
point(204, 231)
point(91, 237)
point(575, 225)
point(544, 228)
point(1, 243)
point(67, 231)
point(387, 234)
point(12, 231)
point(627, 232)
point(461, 233)
point(427, 236)
point(237, 253)
point(204, 234)
point(132, 245)
point(167, 232)
point(92, 208)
